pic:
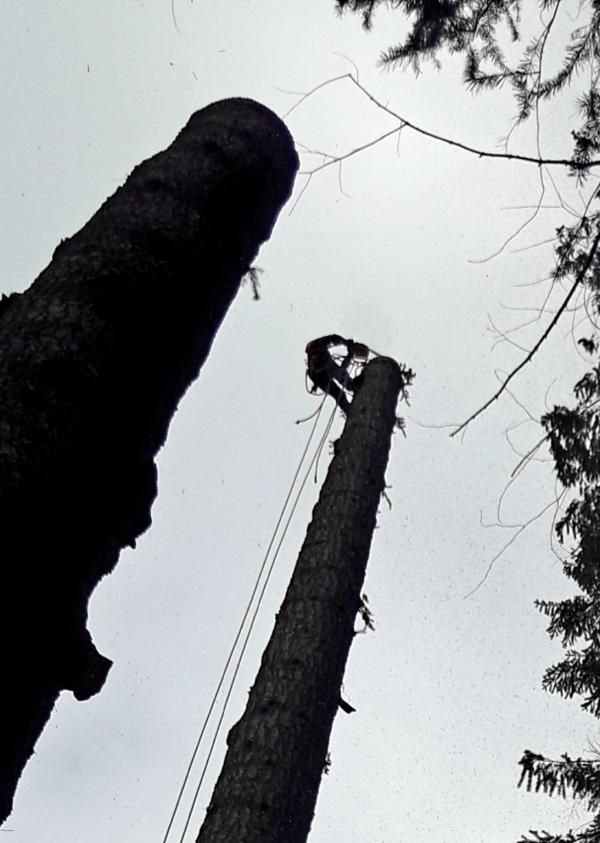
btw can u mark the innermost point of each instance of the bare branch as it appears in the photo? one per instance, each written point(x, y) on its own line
point(580, 276)
point(480, 153)
point(301, 194)
point(312, 91)
point(503, 336)
point(173, 16)
point(505, 546)
point(336, 159)
point(526, 457)
point(521, 228)
point(533, 245)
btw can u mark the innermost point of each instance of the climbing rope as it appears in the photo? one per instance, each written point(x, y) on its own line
point(242, 624)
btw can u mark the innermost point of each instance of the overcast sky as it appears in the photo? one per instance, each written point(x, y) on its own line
point(447, 690)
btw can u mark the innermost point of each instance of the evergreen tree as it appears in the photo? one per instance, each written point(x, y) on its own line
point(477, 29)
point(574, 437)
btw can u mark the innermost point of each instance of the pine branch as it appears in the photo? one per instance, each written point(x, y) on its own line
point(576, 777)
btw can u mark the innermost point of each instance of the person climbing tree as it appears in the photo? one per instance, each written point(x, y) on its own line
point(327, 374)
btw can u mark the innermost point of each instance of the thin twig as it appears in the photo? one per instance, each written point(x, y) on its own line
point(503, 337)
point(505, 547)
point(521, 228)
point(481, 153)
point(533, 245)
point(544, 336)
point(310, 93)
point(173, 16)
point(526, 457)
point(336, 159)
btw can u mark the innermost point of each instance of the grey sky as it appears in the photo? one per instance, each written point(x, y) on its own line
point(447, 690)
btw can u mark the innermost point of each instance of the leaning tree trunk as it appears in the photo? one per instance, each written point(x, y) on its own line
point(267, 789)
point(94, 358)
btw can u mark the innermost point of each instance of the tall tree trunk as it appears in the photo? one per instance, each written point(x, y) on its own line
point(94, 358)
point(268, 787)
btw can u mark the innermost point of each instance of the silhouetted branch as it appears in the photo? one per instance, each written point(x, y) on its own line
point(580, 276)
point(480, 153)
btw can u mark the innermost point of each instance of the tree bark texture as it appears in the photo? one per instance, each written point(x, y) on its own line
point(94, 358)
point(267, 790)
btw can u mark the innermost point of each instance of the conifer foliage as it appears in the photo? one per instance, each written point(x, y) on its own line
point(477, 29)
